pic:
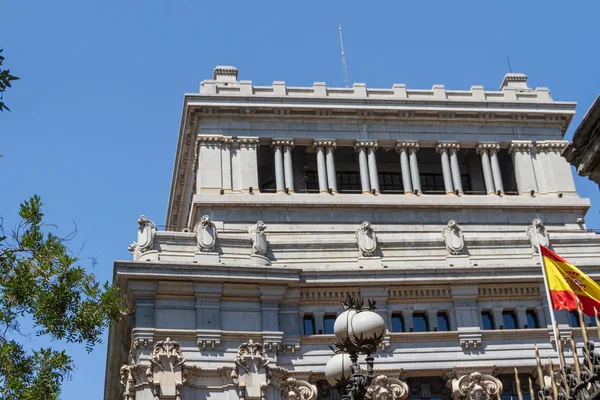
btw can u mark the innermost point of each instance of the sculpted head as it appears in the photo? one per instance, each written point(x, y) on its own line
point(261, 226)
point(537, 223)
point(365, 226)
point(142, 221)
point(452, 224)
point(205, 221)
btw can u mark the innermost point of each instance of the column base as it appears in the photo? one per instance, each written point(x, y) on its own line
point(334, 192)
point(291, 191)
point(280, 191)
point(366, 192)
point(451, 193)
point(491, 193)
point(324, 191)
point(411, 192)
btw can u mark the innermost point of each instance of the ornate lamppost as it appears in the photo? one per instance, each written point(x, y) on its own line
point(359, 331)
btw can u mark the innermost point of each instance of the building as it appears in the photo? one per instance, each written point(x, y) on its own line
point(286, 199)
point(584, 150)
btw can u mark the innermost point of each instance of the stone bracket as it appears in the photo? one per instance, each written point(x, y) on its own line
point(142, 337)
point(272, 340)
point(208, 338)
point(470, 338)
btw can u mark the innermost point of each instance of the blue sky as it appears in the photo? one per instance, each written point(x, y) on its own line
point(95, 117)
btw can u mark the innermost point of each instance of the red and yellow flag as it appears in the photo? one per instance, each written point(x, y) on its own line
point(566, 283)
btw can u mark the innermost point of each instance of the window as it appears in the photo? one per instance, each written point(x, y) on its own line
point(390, 182)
point(443, 322)
point(509, 320)
point(592, 321)
point(328, 322)
point(532, 319)
point(349, 182)
point(432, 183)
point(311, 181)
point(309, 325)
point(397, 323)
point(574, 319)
point(487, 320)
point(420, 323)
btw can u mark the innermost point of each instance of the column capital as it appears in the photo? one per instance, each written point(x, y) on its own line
point(208, 140)
point(481, 147)
point(282, 143)
point(523, 146)
point(406, 146)
point(325, 144)
point(442, 146)
point(247, 141)
point(551, 145)
point(366, 145)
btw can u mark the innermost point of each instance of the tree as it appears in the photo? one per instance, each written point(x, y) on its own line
point(40, 279)
point(5, 79)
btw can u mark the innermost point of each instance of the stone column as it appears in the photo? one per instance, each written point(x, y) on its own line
point(279, 172)
point(496, 168)
point(441, 148)
point(364, 167)
point(246, 168)
point(373, 175)
point(209, 174)
point(414, 166)
point(288, 165)
point(321, 167)
point(331, 175)
point(226, 169)
point(404, 167)
point(482, 150)
point(456, 179)
point(522, 317)
point(524, 174)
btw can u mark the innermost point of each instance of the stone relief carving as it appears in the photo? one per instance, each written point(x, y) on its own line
point(453, 237)
point(146, 233)
point(206, 235)
point(476, 386)
point(167, 369)
point(252, 373)
point(537, 234)
point(295, 389)
point(384, 388)
point(366, 239)
point(259, 238)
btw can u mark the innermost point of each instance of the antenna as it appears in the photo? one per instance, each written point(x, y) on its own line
point(343, 59)
point(509, 67)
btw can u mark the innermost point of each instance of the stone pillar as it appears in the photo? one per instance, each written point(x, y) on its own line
point(270, 296)
point(482, 150)
point(443, 151)
point(319, 326)
point(364, 168)
point(288, 166)
point(331, 178)
point(496, 168)
point(539, 311)
point(404, 167)
point(498, 319)
point(279, 171)
point(559, 176)
point(408, 320)
point(248, 166)
point(209, 172)
point(522, 317)
point(456, 179)
point(373, 175)
point(321, 167)
point(524, 174)
point(414, 166)
point(432, 319)
point(208, 314)
point(226, 169)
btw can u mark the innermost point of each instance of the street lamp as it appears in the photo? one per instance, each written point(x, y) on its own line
point(359, 330)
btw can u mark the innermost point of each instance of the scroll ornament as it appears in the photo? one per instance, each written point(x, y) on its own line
point(476, 386)
point(384, 388)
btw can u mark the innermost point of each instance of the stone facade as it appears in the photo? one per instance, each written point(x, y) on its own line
point(285, 199)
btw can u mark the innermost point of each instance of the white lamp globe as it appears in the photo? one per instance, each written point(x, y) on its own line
point(342, 322)
point(338, 369)
point(366, 327)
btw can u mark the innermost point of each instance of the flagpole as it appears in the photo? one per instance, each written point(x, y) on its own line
point(547, 286)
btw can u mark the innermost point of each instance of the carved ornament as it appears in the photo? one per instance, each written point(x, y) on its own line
point(537, 234)
point(476, 386)
point(206, 235)
point(407, 146)
point(325, 144)
point(384, 388)
point(247, 141)
point(145, 236)
point(549, 145)
point(296, 389)
point(282, 143)
point(453, 238)
point(366, 145)
point(447, 146)
point(252, 373)
point(523, 146)
point(259, 238)
point(366, 239)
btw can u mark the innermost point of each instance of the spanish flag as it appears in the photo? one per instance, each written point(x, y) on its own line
point(566, 283)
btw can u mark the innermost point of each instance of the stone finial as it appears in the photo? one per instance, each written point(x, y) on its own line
point(206, 235)
point(453, 237)
point(476, 386)
point(225, 73)
point(384, 388)
point(537, 234)
point(296, 389)
point(366, 239)
point(259, 238)
point(145, 237)
point(516, 81)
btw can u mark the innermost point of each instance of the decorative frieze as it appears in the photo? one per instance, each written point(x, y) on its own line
point(410, 293)
point(494, 291)
point(247, 141)
point(326, 295)
point(384, 388)
point(206, 140)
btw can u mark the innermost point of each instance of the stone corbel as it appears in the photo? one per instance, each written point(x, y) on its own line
point(476, 386)
point(470, 338)
point(208, 339)
point(384, 388)
point(142, 337)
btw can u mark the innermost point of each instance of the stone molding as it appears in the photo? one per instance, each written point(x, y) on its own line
point(407, 146)
point(384, 388)
point(325, 144)
point(493, 291)
point(441, 146)
point(439, 293)
point(282, 143)
point(207, 140)
point(476, 386)
point(523, 146)
point(366, 145)
point(490, 147)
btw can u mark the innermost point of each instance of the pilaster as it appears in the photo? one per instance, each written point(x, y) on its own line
point(208, 314)
point(210, 175)
point(524, 173)
point(248, 167)
point(560, 177)
point(270, 296)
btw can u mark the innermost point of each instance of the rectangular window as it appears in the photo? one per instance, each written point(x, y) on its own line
point(311, 181)
point(532, 319)
point(328, 322)
point(390, 182)
point(574, 319)
point(432, 183)
point(509, 320)
point(309, 325)
point(443, 322)
point(397, 323)
point(487, 320)
point(420, 322)
point(348, 182)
